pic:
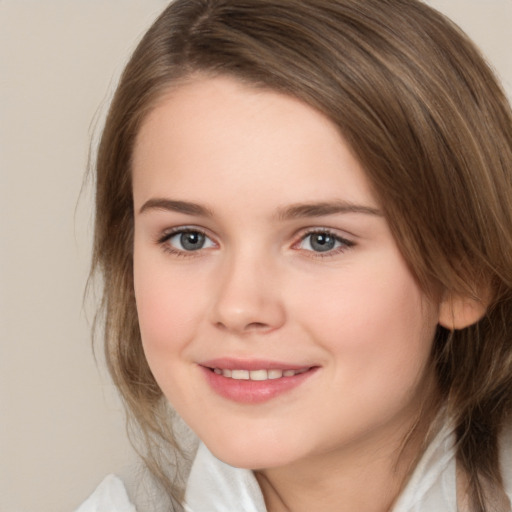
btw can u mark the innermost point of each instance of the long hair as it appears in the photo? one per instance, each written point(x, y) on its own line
point(425, 116)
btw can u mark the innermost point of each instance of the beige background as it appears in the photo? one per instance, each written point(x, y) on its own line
point(61, 427)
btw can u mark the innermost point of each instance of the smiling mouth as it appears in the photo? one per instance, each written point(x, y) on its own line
point(254, 382)
point(258, 375)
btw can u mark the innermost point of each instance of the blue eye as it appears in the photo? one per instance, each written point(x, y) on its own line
point(187, 240)
point(323, 242)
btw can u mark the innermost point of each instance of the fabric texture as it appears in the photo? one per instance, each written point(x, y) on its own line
point(214, 486)
point(109, 496)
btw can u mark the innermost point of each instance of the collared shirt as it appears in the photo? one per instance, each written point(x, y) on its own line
point(214, 486)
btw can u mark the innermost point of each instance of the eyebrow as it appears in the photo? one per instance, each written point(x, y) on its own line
point(295, 211)
point(176, 206)
point(324, 208)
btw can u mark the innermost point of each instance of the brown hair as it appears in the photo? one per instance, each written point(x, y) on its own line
point(425, 116)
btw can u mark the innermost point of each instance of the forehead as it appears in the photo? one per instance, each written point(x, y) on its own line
point(218, 132)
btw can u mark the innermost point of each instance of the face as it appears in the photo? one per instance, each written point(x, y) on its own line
point(276, 312)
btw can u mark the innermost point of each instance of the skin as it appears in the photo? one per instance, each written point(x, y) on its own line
point(258, 290)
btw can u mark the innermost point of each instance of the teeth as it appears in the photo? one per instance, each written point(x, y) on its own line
point(240, 374)
point(275, 374)
point(258, 374)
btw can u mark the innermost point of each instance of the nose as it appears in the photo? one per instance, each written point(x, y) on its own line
point(248, 297)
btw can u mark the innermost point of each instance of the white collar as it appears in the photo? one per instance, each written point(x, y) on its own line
point(214, 486)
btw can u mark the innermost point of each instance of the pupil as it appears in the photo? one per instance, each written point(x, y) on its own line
point(322, 242)
point(192, 241)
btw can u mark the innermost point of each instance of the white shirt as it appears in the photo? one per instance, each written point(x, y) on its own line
point(109, 496)
point(214, 486)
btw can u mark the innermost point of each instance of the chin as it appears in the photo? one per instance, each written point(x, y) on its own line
point(253, 461)
point(248, 453)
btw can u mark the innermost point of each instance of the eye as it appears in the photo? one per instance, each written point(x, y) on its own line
point(323, 242)
point(186, 240)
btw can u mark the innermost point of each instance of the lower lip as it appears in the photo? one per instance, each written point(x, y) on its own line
point(253, 391)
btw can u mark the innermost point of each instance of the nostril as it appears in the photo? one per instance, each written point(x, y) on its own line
point(252, 326)
point(256, 326)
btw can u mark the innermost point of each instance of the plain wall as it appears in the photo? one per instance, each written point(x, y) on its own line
point(61, 426)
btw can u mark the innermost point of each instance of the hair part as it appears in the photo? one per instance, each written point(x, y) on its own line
point(422, 112)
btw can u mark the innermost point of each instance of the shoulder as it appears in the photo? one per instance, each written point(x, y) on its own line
point(109, 496)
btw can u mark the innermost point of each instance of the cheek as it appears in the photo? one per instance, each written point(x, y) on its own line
point(373, 319)
point(377, 329)
point(167, 308)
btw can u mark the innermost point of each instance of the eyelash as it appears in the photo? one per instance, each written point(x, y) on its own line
point(164, 239)
point(344, 244)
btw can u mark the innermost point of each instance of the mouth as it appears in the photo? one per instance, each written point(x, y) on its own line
point(258, 375)
point(254, 382)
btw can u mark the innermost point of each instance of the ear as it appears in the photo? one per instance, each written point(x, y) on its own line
point(460, 311)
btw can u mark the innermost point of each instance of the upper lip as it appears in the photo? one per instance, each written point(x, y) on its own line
point(227, 363)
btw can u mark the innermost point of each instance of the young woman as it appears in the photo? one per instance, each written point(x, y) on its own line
point(304, 227)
